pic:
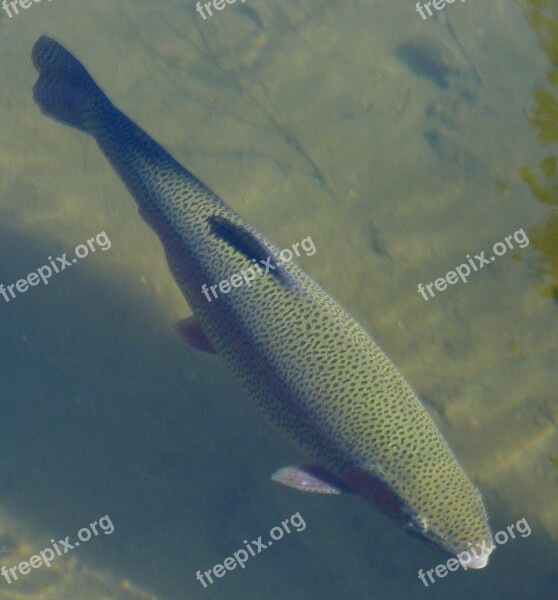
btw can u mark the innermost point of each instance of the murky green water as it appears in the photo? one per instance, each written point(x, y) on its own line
point(400, 145)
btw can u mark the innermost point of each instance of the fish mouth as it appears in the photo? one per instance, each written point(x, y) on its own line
point(478, 563)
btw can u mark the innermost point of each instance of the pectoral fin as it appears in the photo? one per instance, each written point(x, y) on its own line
point(191, 332)
point(310, 478)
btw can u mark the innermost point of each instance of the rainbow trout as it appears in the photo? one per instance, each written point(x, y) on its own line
point(307, 365)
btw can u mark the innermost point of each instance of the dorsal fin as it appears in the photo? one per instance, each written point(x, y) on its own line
point(248, 244)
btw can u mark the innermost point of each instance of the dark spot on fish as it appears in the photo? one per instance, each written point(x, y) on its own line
point(245, 242)
point(369, 486)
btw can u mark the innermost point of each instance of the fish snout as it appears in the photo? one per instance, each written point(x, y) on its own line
point(478, 563)
point(473, 559)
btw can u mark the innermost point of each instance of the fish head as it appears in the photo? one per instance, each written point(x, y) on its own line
point(454, 519)
point(474, 556)
point(440, 505)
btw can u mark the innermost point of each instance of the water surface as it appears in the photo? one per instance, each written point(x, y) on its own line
point(400, 146)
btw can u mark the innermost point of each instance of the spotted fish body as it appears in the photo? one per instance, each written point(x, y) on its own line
point(310, 368)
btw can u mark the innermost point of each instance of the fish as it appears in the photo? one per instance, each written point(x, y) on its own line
point(309, 367)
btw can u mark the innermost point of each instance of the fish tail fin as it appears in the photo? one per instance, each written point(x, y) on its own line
point(65, 90)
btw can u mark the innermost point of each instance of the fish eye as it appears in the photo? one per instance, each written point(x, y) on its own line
point(420, 526)
point(417, 524)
